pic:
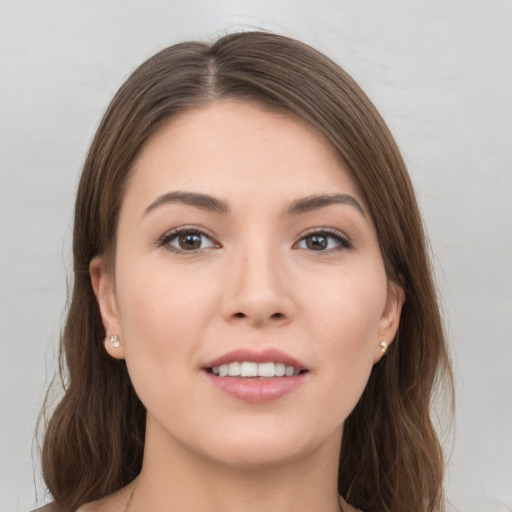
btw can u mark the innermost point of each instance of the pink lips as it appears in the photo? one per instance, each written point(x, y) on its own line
point(256, 390)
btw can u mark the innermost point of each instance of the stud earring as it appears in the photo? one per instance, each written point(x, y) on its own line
point(383, 346)
point(113, 339)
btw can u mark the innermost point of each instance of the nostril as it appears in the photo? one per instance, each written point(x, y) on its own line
point(275, 316)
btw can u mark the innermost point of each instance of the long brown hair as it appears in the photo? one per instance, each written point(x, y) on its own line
point(391, 459)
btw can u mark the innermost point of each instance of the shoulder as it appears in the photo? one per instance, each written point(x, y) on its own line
point(55, 507)
point(114, 502)
point(346, 507)
point(50, 507)
point(95, 506)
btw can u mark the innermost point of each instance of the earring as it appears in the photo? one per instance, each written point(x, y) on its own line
point(113, 339)
point(383, 346)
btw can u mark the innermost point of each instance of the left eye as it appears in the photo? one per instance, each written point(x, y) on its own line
point(323, 241)
point(188, 241)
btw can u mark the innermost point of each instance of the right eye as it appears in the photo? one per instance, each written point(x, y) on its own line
point(324, 241)
point(187, 240)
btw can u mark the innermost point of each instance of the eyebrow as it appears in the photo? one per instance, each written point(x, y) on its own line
point(316, 202)
point(202, 201)
point(212, 204)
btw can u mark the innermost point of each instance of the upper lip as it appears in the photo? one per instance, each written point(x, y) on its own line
point(257, 356)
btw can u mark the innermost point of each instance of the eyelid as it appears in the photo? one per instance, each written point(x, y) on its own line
point(169, 235)
point(345, 241)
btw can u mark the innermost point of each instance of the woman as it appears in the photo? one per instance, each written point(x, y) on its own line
point(253, 322)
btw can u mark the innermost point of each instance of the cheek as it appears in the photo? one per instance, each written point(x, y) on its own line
point(158, 302)
point(344, 319)
point(163, 318)
point(348, 307)
point(162, 331)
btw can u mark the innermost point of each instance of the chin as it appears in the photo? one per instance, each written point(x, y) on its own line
point(261, 447)
point(260, 455)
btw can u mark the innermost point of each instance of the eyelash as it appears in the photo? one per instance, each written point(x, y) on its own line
point(166, 240)
point(341, 241)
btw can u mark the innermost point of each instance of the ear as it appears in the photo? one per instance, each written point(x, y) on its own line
point(390, 319)
point(103, 285)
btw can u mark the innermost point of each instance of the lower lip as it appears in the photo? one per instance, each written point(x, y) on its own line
point(254, 390)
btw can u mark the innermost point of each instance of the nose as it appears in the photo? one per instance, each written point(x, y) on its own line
point(257, 291)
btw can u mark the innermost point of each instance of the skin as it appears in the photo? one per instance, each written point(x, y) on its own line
point(255, 281)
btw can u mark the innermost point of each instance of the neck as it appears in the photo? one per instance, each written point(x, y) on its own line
point(174, 478)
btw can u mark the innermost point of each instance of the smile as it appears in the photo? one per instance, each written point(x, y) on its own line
point(253, 369)
point(256, 376)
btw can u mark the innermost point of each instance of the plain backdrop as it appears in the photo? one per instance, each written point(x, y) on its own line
point(440, 71)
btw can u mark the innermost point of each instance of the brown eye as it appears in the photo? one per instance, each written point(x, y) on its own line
point(323, 241)
point(187, 240)
point(316, 242)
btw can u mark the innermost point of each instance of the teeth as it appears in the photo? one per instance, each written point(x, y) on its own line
point(266, 370)
point(248, 369)
point(280, 369)
point(289, 371)
point(234, 369)
point(251, 369)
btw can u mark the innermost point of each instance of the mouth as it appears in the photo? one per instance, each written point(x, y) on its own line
point(255, 364)
point(254, 376)
point(255, 370)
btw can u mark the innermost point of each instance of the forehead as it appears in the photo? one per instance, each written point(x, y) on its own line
point(233, 149)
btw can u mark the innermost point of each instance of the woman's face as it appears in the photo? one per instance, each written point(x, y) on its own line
point(244, 247)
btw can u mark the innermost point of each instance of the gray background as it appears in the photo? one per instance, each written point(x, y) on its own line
point(439, 71)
